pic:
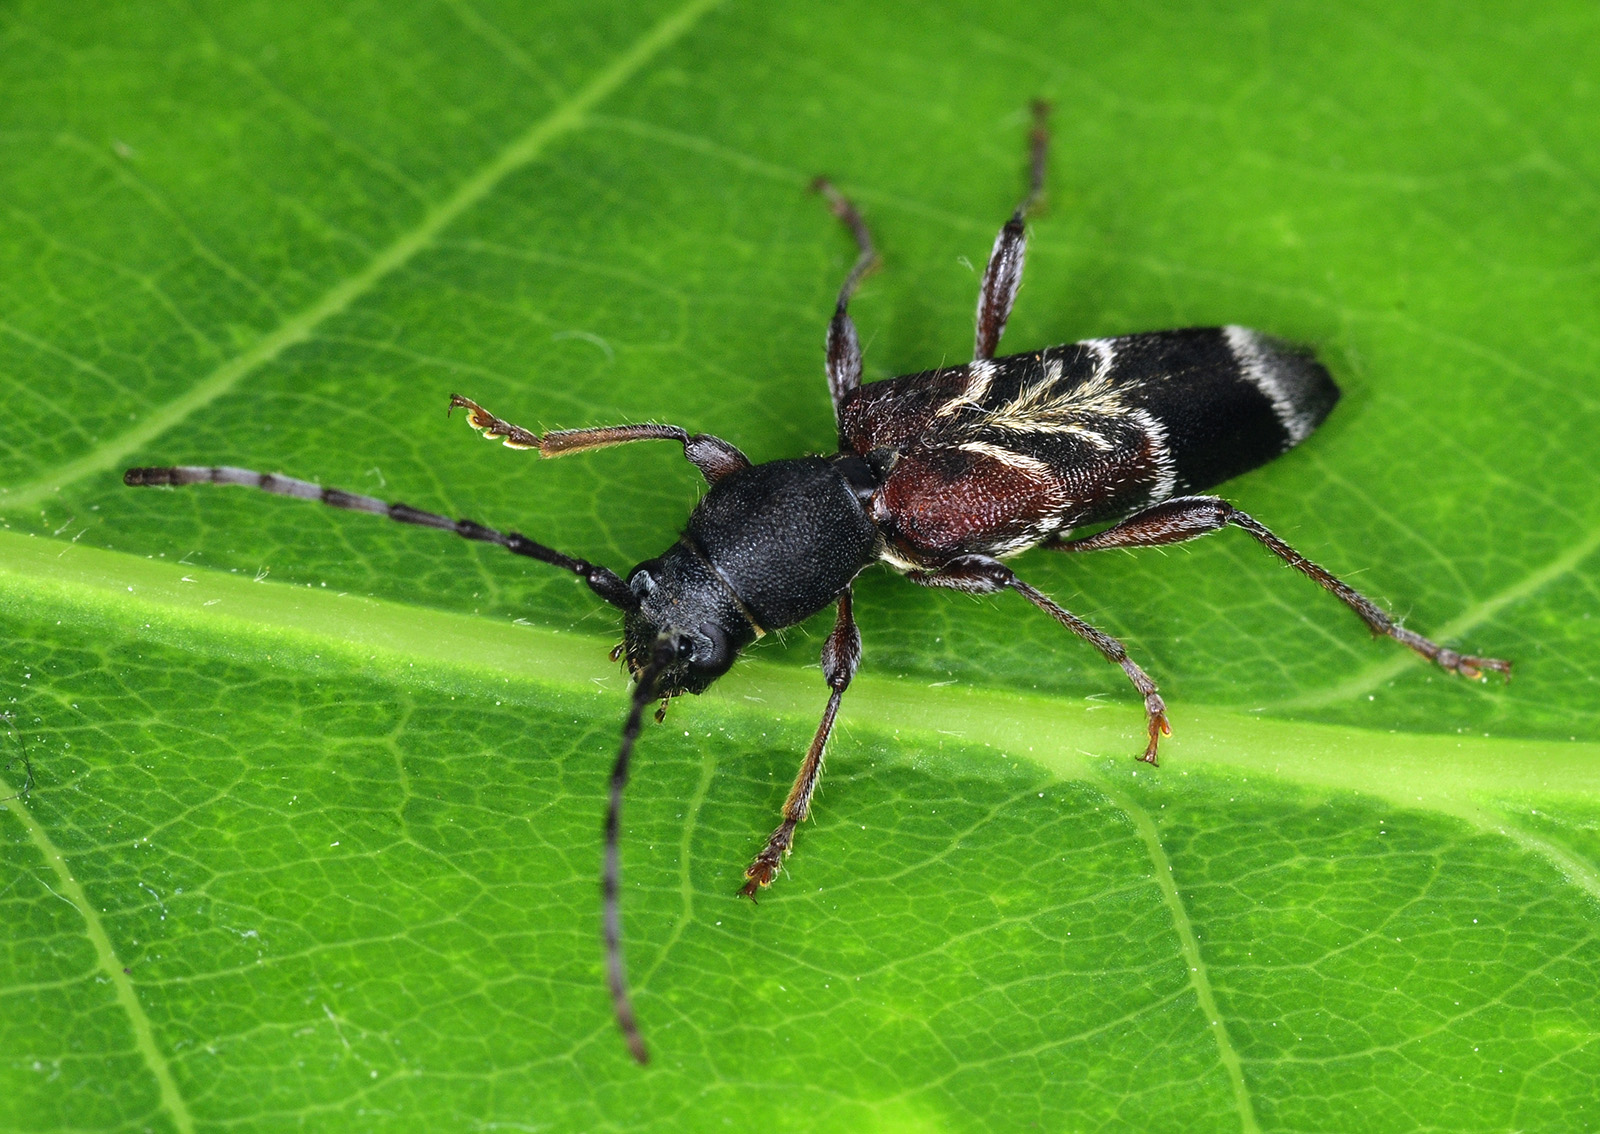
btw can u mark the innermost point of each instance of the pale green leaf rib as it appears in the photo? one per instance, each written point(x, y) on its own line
point(1189, 945)
point(1446, 773)
point(443, 651)
point(111, 968)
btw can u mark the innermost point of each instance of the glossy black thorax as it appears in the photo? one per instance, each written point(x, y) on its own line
point(768, 546)
point(786, 537)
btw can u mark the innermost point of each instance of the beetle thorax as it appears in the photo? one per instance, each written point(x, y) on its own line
point(785, 537)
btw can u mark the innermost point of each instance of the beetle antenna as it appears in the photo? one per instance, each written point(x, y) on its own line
point(611, 876)
point(602, 581)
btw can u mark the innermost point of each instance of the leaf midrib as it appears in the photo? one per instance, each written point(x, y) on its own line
point(236, 615)
point(222, 612)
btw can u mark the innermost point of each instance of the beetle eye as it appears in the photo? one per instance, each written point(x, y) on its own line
point(716, 652)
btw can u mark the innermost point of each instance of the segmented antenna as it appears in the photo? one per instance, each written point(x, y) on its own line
point(611, 875)
point(602, 581)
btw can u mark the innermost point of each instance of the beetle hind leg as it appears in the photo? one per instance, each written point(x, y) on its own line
point(844, 345)
point(1003, 275)
point(1188, 517)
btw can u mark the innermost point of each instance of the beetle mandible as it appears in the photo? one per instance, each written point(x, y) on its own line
point(941, 474)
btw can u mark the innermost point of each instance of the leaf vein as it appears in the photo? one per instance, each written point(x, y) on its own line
point(1199, 979)
point(300, 327)
point(106, 960)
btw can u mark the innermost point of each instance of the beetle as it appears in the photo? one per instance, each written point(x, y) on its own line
point(941, 474)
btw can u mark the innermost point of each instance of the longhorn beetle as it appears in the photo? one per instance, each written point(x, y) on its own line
point(942, 475)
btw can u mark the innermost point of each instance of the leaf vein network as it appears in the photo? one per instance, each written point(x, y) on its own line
point(565, 118)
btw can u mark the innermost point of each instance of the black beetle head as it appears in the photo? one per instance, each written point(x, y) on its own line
point(682, 602)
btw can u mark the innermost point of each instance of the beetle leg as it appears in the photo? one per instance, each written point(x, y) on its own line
point(714, 457)
point(1187, 517)
point(1003, 276)
point(981, 575)
point(844, 346)
point(841, 654)
point(602, 581)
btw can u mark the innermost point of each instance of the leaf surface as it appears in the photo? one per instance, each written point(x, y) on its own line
point(313, 828)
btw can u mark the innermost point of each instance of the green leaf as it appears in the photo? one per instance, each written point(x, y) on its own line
point(313, 828)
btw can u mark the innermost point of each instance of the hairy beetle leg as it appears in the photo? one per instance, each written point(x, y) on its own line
point(1468, 666)
point(984, 575)
point(760, 873)
point(492, 427)
point(1189, 517)
point(843, 344)
point(713, 456)
point(841, 655)
point(1002, 276)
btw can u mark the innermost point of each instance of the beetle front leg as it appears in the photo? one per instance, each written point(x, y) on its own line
point(713, 456)
point(1188, 517)
point(981, 575)
point(841, 654)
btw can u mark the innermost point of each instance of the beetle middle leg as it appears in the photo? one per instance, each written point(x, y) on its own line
point(841, 654)
point(1188, 517)
point(1003, 275)
point(982, 575)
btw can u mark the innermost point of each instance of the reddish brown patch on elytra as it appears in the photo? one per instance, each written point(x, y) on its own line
point(950, 501)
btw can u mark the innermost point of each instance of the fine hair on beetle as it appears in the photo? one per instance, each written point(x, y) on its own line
point(943, 475)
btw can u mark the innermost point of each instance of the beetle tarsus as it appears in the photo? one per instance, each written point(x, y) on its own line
point(760, 873)
point(1471, 667)
point(495, 428)
point(1156, 718)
